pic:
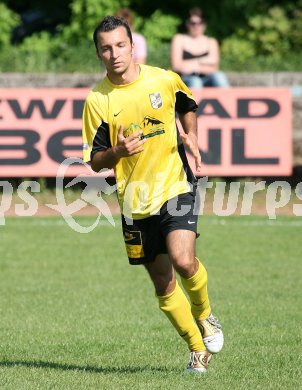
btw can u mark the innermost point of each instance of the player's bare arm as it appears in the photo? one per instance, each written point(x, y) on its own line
point(125, 147)
point(189, 125)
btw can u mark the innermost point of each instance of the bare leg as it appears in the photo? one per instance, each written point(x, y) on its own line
point(162, 274)
point(181, 249)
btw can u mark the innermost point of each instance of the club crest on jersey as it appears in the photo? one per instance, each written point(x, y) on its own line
point(156, 100)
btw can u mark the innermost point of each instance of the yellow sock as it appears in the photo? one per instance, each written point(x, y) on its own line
point(177, 308)
point(197, 289)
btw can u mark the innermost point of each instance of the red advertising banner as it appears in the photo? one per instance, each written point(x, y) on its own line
point(242, 131)
point(245, 131)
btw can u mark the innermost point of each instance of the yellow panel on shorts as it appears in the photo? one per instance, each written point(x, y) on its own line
point(135, 251)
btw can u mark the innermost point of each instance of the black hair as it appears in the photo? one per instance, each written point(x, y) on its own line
point(110, 23)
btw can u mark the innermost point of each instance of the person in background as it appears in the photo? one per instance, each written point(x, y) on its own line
point(140, 44)
point(195, 56)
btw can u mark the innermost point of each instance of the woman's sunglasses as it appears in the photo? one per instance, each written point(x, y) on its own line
point(193, 23)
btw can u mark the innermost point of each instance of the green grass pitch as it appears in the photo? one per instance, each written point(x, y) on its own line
point(75, 315)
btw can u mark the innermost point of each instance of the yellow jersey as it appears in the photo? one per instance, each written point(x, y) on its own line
point(145, 181)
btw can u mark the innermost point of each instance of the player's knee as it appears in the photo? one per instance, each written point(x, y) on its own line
point(186, 266)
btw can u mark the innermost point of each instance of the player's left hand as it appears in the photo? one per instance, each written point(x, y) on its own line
point(190, 140)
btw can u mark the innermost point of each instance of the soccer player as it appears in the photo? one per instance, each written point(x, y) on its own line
point(129, 125)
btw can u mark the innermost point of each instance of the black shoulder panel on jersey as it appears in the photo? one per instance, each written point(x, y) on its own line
point(101, 140)
point(184, 103)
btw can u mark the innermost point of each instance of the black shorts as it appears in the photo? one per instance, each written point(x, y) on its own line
point(146, 238)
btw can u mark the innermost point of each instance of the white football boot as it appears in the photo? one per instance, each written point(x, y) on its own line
point(211, 332)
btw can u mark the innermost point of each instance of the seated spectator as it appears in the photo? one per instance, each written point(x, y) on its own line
point(140, 45)
point(195, 56)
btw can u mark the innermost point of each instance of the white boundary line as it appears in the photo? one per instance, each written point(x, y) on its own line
point(205, 221)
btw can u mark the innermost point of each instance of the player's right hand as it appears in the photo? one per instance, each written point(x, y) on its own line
point(128, 146)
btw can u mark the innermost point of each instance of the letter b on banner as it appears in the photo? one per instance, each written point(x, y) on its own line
point(27, 147)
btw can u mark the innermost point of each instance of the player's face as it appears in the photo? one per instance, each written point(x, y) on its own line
point(115, 50)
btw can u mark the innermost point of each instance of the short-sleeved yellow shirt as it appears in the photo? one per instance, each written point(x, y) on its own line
point(146, 180)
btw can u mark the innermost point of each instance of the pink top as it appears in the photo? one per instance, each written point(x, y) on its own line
point(140, 46)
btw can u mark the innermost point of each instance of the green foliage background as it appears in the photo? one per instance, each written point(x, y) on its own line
point(254, 35)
